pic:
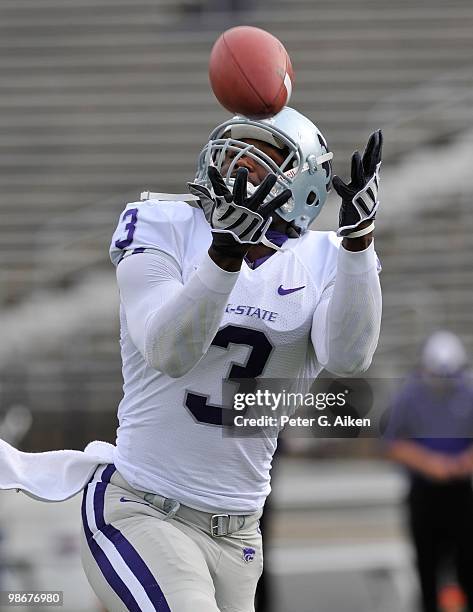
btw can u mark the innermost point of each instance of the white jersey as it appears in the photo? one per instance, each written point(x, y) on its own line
point(170, 439)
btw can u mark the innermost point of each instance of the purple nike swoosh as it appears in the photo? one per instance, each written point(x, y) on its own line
point(123, 499)
point(282, 291)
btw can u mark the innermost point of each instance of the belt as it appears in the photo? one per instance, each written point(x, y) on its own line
point(216, 525)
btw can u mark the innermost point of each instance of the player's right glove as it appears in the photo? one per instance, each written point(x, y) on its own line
point(360, 196)
point(238, 221)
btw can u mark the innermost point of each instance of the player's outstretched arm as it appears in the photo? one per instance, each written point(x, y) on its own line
point(172, 323)
point(347, 320)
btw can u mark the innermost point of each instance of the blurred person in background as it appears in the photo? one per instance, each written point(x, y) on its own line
point(430, 431)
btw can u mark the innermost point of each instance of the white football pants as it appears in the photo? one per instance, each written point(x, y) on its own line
point(138, 559)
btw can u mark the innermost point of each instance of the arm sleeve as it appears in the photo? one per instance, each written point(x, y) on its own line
point(171, 323)
point(347, 319)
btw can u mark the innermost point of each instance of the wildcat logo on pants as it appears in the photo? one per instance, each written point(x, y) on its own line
point(249, 554)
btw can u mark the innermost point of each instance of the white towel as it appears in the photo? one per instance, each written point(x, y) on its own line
point(52, 476)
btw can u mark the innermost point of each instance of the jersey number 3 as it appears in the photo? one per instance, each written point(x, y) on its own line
point(261, 349)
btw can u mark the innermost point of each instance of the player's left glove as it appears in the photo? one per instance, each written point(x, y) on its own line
point(360, 196)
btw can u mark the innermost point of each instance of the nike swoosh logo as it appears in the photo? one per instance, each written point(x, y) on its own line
point(282, 291)
point(123, 499)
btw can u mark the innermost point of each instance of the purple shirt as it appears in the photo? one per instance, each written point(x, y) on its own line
point(438, 415)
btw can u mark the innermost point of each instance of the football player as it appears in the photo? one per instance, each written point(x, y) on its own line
point(232, 286)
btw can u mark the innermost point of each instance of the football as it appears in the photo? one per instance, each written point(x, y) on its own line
point(250, 72)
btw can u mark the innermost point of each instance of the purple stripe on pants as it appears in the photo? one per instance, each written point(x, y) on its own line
point(128, 553)
point(110, 575)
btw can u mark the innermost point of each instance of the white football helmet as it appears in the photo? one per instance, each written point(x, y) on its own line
point(444, 354)
point(306, 169)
